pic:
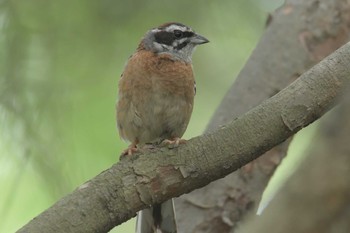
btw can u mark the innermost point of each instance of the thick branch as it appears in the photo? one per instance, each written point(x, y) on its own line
point(316, 197)
point(118, 193)
point(298, 35)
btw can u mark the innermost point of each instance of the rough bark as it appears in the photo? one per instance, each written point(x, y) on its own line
point(298, 35)
point(152, 177)
point(317, 197)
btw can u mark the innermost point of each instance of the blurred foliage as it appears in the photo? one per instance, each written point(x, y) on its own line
point(60, 63)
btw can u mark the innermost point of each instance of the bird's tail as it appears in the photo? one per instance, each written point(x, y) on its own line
point(160, 218)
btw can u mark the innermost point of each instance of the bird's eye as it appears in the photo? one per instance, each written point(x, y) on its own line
point(178, 33)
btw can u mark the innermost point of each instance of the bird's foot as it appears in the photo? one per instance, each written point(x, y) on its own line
point(173, 143)
point(130, 150)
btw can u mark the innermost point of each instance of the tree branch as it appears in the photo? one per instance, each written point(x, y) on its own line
point(118, 193)
point(316, 197)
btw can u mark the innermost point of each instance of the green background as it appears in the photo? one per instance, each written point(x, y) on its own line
point(60, 63)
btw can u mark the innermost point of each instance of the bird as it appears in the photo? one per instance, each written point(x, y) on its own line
point(155, 103)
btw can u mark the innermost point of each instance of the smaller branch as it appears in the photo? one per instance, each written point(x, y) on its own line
point(133, 184)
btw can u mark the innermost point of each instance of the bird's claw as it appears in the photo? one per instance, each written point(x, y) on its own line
point(173, 143)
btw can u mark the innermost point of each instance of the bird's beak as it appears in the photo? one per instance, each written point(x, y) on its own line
point(198, 39)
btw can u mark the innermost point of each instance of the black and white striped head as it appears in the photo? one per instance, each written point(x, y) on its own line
point(175, 39)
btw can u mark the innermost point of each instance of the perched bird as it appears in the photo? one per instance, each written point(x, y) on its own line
point(156, 93)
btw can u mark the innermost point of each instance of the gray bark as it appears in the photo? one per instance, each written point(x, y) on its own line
point(317, 197)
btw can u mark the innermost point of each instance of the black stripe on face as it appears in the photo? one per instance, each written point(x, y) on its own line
point(164, 37)
point(188, 34)
point(167, 38)
point(180, 46)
